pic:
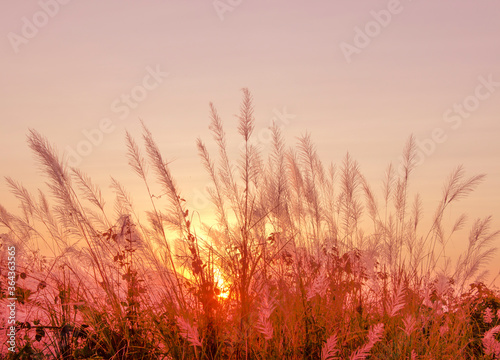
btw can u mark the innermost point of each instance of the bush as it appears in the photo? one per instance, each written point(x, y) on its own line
point(303, 262)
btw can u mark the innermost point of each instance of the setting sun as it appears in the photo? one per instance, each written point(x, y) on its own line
point(221, 284)
point(249, 180)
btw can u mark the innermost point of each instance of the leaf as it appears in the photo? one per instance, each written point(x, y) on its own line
point(41, 285)
point(40, 333)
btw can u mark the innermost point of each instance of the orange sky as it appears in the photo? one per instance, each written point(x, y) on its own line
point(360, 76)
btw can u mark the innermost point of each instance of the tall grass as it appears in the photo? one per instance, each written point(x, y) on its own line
point(304, 261)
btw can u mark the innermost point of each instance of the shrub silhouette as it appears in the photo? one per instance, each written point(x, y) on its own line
point(304, 261)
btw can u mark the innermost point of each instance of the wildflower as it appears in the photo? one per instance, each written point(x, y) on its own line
point(488, 316)
point(266, 308)
point(188, 332)
point(491, 345)
point(330, 348)
point(413, 355)
point(374, 335)
point(410, 324)
point(398, 301)
point(444, 329)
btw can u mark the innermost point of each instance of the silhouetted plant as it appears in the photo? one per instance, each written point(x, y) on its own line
point(304, 261)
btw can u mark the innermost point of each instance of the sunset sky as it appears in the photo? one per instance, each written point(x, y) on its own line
point(359, 76)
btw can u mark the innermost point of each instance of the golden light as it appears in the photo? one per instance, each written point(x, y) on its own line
point(221, 284)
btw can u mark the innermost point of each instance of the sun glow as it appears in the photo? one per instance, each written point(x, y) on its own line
point(221, 284)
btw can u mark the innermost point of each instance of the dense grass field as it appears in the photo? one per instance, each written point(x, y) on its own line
point(304, 261)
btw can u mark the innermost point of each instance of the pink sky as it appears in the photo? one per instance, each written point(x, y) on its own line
point(66, 74)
